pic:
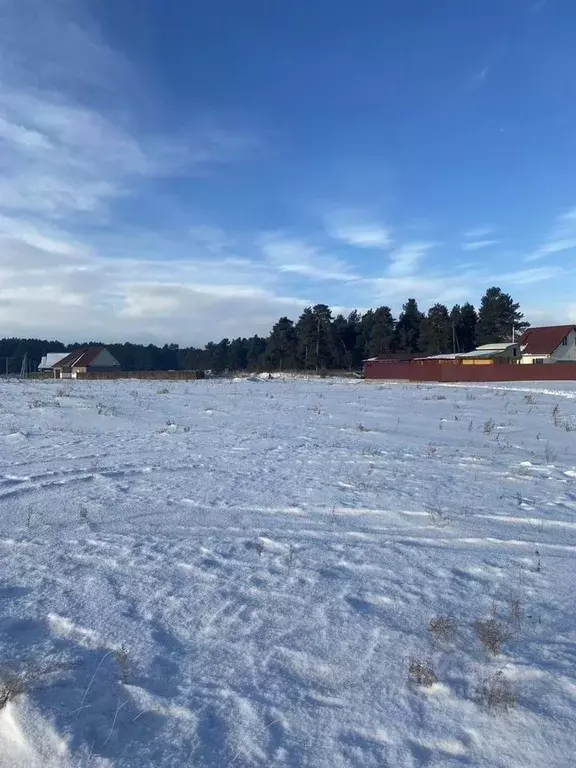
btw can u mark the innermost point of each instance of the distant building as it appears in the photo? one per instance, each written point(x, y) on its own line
point(87, 360)
point(486, 354)
point(49, 361)
point(549, 344)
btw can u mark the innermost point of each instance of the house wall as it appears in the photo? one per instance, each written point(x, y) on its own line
point(568, 352)
point(563, 353)
point(529, 359)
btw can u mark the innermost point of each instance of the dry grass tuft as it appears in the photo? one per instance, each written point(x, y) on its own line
point(492, 633)
point(422, 673)
point(443, 628)
point(121, 656)
point(489, 426)
point(496, 693)
point(515, 613)
point(14, 682)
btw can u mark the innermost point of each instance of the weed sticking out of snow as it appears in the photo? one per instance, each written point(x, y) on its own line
point(420, 672)
point(493, 633)
point(15, 681)
point(443, 629)
point(496, 693)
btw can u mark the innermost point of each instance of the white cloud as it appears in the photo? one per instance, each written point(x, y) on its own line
point(561, 238)
point(64, 163)
point(427, 289)
point(477, 245)
point(529, 276)
point(50, 291)
point(406, 259)
point(479, 233)
point(291, 255)
point(356, 229)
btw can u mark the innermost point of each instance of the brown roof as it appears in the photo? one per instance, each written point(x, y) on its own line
point(79, 358)
point(543, 341)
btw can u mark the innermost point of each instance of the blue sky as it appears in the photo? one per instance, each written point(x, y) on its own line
point(188, 171)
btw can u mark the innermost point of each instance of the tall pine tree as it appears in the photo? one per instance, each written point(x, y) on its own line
point(499, 318)
point(464, 320)
point(381, 334)
point(282, 345)
point(409, 328)
point(436, 331)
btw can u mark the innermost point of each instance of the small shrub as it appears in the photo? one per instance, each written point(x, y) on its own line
point(163, 391)
point(105, 410)
point(529, 399)
point(422, 673)
point(11, 686)
point(438, 515)
point(431, 450)
point(492, 633)
point(489, 426)
point(496, 693)
point(14, 683)
point(121, 656)
point(515, 613)
point(362, 428)
point(443, 628)
point(550, 454)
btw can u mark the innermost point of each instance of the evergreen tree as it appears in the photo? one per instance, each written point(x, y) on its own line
point(238, 355)
point(315, 340)
point(323, 347)
point(365, 327)
point(255, 351)
point(499, 318)
point(409, 328)
point(344, 336)
point(436, 331)
point(305, 334)
point(466, 328)
point(282, 345)
point(381, 333)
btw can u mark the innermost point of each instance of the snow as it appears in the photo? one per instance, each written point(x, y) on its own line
point(240, 573)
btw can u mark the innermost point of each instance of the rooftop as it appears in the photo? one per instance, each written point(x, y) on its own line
point(544, 340)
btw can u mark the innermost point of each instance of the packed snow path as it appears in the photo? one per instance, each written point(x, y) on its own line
point(242, 573)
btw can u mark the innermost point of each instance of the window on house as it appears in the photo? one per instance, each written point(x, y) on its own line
point(565, 341)
point(538, 360)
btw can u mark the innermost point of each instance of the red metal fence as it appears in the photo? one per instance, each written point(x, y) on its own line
point(450, 372)
point(177, 375)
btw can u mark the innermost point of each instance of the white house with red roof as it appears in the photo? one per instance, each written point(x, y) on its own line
point(549, 344)
point(86, 360)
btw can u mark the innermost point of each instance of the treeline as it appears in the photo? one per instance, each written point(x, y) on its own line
point(316, 341)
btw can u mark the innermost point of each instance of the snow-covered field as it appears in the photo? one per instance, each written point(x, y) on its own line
point(243, 573)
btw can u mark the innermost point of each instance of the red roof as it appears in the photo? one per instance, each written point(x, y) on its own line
point(80, 358)
point(543, 341)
